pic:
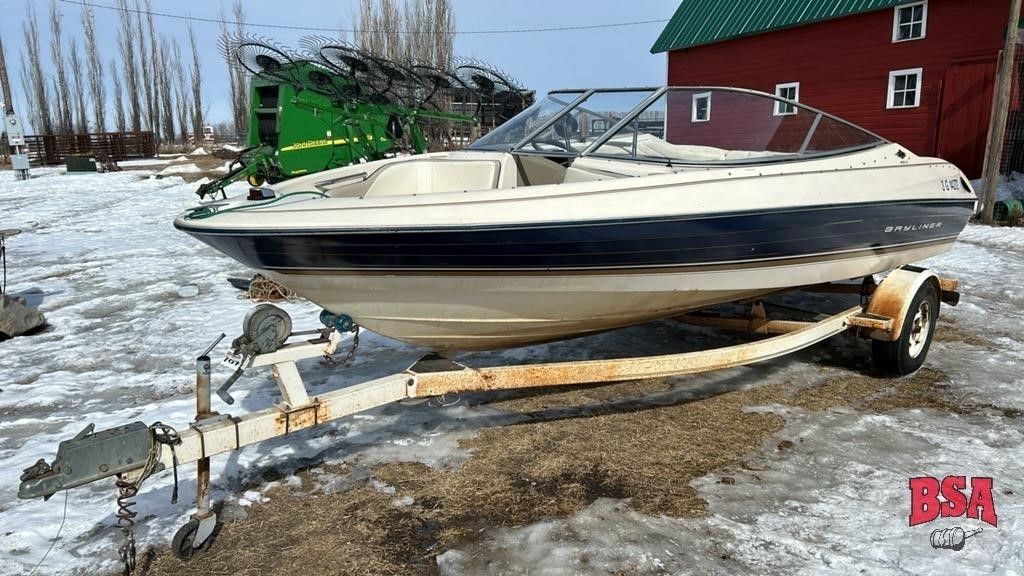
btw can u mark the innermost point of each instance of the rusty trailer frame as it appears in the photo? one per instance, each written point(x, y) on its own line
point(880, 316)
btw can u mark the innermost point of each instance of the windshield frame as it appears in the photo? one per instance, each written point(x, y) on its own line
point(656, 92)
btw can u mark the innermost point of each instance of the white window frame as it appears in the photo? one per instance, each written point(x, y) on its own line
point(796, 98)
point(693, 107)
point(891, 95)
point(896, 21)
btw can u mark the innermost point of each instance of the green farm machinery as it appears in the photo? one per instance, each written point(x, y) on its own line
point(332, 105)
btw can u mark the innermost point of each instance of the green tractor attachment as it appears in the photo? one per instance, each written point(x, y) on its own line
point(334, 105)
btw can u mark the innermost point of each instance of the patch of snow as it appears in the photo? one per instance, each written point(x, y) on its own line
point(1011, 186)
point(251, 497)
point(381, 486)
point(155, 161)
point(403, 502)
point(839, 503)
point(198, 152)
point(607, 537)
point(180, 169)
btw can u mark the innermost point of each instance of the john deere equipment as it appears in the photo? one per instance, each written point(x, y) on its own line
point(332, 105)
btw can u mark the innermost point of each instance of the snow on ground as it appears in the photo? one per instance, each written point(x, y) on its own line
point(1011, 186)
point(100, 257)
point(199, 152)
point(161, 160)
point(186, 168)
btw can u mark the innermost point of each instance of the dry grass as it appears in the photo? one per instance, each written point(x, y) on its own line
point(210, 167)
point(949, 330)
point(557, 462)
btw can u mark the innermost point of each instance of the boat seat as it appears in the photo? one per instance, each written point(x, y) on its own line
point(434, 177)
point(574, 174)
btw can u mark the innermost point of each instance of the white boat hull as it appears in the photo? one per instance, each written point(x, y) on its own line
point(476, 312)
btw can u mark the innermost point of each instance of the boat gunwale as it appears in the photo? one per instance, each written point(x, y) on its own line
point(181, 224)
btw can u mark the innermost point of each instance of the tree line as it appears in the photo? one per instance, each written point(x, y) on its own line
point(153, 87)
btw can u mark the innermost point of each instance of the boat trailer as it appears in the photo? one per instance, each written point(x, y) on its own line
point(899, 314)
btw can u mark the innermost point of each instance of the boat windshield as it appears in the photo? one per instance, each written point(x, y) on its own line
point(676, 125)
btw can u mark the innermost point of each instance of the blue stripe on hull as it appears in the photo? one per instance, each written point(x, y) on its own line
point(680, 241)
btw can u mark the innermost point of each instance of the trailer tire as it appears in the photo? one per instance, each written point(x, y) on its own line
point(907, 353)
point(183, 544)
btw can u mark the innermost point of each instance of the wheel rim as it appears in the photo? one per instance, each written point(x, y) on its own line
point(920, 328)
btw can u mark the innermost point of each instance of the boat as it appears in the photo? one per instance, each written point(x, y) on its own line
point(592, 210)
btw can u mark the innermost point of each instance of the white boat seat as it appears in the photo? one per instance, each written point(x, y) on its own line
point(434, 176)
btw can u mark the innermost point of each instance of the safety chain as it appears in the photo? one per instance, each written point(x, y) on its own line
point(127, 490)
point(329, 360)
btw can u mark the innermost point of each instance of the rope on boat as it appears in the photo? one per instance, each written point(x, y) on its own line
point(202, 212)
point(263, 289)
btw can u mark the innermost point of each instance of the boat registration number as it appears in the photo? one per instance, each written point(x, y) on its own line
point(950, 184)
point(233, 361)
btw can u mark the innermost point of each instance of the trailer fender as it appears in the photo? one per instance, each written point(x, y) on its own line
point(893, 296)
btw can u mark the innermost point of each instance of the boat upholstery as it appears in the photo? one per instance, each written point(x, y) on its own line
point(434, 176)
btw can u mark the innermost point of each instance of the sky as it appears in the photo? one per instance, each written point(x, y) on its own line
point(542, 61)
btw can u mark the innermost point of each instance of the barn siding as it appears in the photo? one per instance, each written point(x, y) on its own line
point(843, 65)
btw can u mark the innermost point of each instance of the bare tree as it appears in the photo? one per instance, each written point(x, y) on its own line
point(422, 30)
point(97, 88)
point(157, 64)
point(60, 82)
point(36, 88)
point(31, 109)
point(197, 87)
point(443, 33)
point(119, 119)
point(181, 94)
point(164, 89)
point(145, 67)
point(81, 117)
point(236, 75)
point(126, 40)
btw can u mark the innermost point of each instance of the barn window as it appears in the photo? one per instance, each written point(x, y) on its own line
point(904, 88)
point(701, 109)
point(910, 21)
point(790, 91)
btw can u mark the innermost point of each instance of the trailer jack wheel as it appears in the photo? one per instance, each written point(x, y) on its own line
point(906, 354)
point(185, 546)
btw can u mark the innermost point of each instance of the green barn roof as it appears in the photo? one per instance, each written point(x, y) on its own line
point(699, 22)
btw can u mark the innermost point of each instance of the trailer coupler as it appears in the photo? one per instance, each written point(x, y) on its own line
point(88, 457)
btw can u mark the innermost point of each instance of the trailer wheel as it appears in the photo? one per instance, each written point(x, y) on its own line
point(907, 353)
point(183, 543)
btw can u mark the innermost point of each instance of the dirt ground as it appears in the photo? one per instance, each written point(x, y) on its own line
point(575, 445)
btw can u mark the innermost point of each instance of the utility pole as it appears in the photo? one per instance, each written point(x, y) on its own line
point(15, 135)
point(1000, 109)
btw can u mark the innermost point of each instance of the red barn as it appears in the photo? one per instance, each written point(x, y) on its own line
point(920, 73)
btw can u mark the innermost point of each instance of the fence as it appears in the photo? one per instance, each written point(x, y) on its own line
point(55, 148)
point(1013, 141)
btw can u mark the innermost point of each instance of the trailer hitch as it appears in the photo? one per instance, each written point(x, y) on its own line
point(88, 457)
